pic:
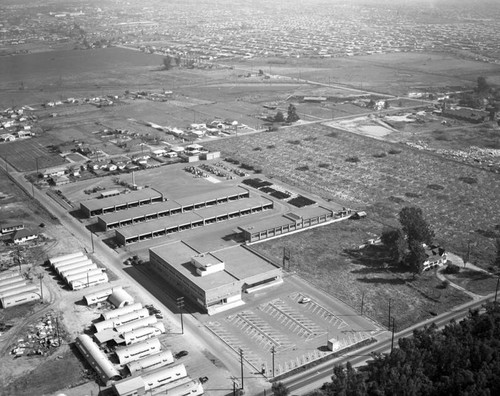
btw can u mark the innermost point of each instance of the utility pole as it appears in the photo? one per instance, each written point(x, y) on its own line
point(496, 290)
point(362, 302)
point(40, 276)
point(241, 364)
point(273, 351)
point(389, 324)
point(180, 305)
point(393, 330)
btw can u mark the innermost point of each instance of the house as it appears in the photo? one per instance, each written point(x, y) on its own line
point(53, 172)
point(8, 228)
point(112, 167)
point(436, 256)
point(7, 137)
point(23, 235)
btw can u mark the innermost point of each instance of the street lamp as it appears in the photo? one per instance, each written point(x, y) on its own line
point(273, 351)
point(393, 330)
point(40, 276)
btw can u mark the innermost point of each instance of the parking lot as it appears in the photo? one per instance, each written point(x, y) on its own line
point(293, 325)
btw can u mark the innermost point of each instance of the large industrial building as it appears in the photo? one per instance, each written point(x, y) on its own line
point(293, 221)
point(214, 280)
point(146, 196)
point(171, 207)
point(186, 221)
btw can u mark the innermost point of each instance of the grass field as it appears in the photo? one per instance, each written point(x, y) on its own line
point(330, 258)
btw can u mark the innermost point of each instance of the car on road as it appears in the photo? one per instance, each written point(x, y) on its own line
point(203, 379)
point(180, 354)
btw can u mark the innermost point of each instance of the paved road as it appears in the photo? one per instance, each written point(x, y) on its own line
point(205, 353)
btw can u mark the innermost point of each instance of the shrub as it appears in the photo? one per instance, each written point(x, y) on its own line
point(380, 155)
point(311, 138)
point(352, 159)
point(257, 149)
point(271, 146)
point(398, 200)
point(445, 284)
point(468, 180)
point(452, 269)
point(296, 142)
point(394, 151)
point(435, 187)
point(333, 134)
point(302, 168)
point(413, 195)
point(323, 165)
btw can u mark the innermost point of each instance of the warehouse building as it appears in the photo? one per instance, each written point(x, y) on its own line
point(143, 333)
point(86, 268)
point(18, 299)
point(216, 280)
point(132, 199)
point(119, 299)
point(63, 267)
point(138, 351)
point(151, 362)
point(121, 311)
point(189, 220)
point(55, 260)
point(297, 220)
point(171, 207)
point(121, 320)
point(97, 359)
point(152, 381)
point(14, 277)
point(88, 281)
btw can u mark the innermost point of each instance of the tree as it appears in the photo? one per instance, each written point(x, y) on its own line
point(414, 225)
point(279, 117)
point(482, 85)
point(167, 62)
point(416, 257)
point(280, 389)
point(394, 240)
point(292, 115)
point(386, 104)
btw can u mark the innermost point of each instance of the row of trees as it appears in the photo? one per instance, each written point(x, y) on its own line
point(463, 359)
point(405, 244)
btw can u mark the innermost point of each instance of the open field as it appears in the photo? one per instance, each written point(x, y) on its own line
point(395, 73)
point(23, 154)
point(331, 259)
point(313, 157)
point(477, 282)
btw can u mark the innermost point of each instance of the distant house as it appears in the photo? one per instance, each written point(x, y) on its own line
point(7, 137)
point(23, 235)
point(436, 256)
point(465, 114)
point(8, 228)
point(53, 172)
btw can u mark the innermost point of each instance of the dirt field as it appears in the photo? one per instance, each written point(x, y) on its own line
point(314, 157)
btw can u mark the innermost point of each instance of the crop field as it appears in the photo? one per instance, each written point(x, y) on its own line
point(459, 201)
point(23, 154)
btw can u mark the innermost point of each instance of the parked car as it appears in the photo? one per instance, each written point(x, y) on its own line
point(159, 316)
point(180, 354)
point(203, 379)
point(305, 300)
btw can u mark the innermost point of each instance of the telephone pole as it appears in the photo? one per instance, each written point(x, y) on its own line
point(273, 351)
point(241, 364)
point(180, 306)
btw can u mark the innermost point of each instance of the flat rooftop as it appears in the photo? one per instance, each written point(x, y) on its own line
point(158, 225)
point(288, 218)
point(240, 264)
point(139, 211)
point(133, 196)
point(192, 216)
point(210, 195)
point(178, 255)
